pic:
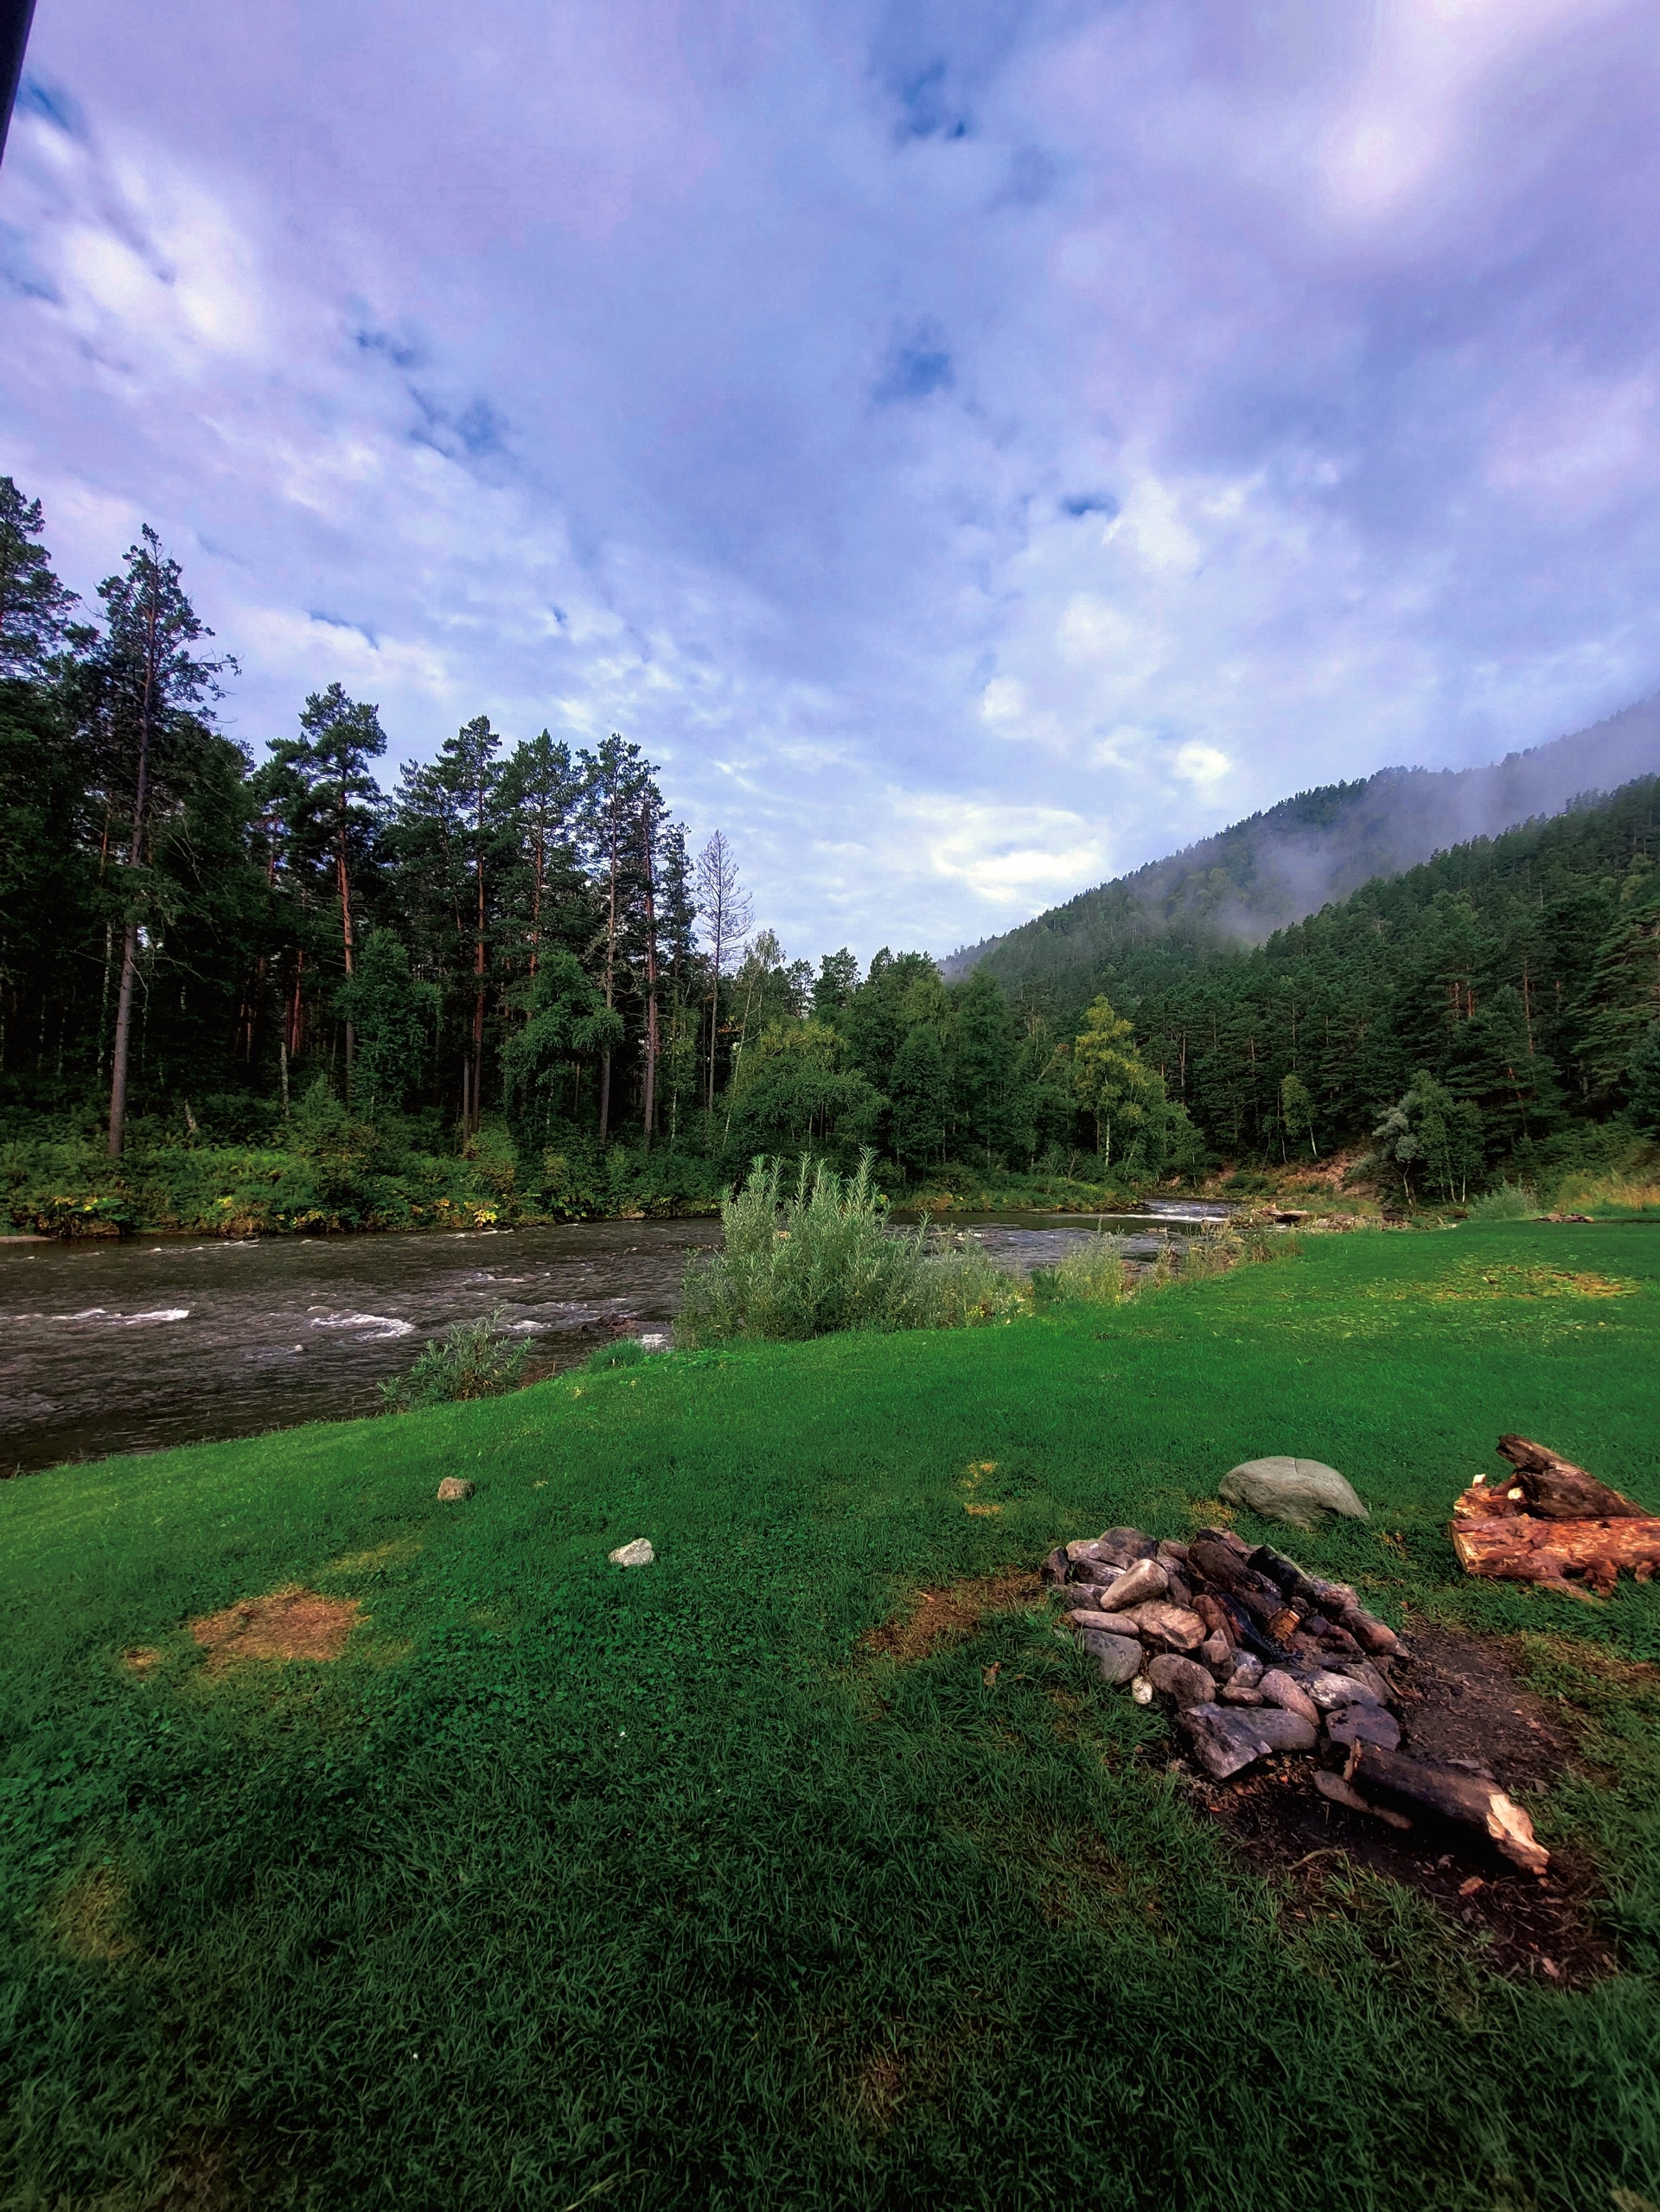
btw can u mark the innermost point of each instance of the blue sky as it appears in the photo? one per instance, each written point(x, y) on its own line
point(974, 447)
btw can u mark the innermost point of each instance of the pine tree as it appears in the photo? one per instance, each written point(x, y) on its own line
point(148, 693)
point(33, 605)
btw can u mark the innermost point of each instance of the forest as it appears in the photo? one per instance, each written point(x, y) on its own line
point(284, 993)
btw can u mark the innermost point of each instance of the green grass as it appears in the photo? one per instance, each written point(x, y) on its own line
point(574, 1885)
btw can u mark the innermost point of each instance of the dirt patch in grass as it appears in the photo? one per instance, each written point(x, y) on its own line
point(142, 1657)
point(1460, 1701)
point(87, 1919)
point(940, 1618)
point(292, 1623)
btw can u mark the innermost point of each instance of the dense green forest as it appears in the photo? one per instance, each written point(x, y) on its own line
point(278, 994)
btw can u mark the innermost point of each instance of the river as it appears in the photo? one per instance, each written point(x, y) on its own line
point(133, 1347)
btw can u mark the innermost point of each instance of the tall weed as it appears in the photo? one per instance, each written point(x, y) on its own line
point(817, 1258)
point(472, 1359)
point(1090, 1273)
point(1511, 1201)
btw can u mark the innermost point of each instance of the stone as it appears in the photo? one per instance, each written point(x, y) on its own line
point(1180, 1592)
point(1170, 1628)
point(1128, 1542)
point(1364, 1724)
point(1285, 1730)
point(1184, 1680)
point(1055, 1566)
point(1087, 1620)
point(1095, 1572)
point(1141, 1690)
point(1217, 1653)
point(1278, 1689)
point(454, 1487)
point(1362, 1671)
point(637, 1554)
point(1119, 1656)
point(1239, 1693)
point(1330, 1691)
point(1248, 1670)
point(1083, 1547)
point(1292, 1490)
point(1147, 1579)
point(1222, 1741)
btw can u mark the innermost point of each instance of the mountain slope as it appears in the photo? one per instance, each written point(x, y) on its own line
point(1241, 885)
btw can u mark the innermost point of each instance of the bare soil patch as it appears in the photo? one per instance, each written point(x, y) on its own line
point(142, 1657)
point(1460, 1703)
point(940, 1618)
point(292, 1623)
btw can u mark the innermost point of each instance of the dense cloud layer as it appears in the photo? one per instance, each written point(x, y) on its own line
point(974, 447)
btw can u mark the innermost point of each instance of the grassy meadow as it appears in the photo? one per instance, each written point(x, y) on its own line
point(567, 1885)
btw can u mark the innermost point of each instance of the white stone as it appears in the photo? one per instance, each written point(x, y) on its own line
point(637, 1554)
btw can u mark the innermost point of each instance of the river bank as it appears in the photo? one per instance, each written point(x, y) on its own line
point(732, 1880)
point(140, 1344)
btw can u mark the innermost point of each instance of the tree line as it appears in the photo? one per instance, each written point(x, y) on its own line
point(192, 943)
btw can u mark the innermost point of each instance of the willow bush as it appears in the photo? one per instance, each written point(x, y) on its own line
point(818, 1256)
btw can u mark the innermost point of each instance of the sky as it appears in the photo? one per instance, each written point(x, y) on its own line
point(975, 446)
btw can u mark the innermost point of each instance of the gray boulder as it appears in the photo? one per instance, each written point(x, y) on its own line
point(1364, 1724)
point(1292, 1490)
point(1223, 1741)
point(1120, 1657)
point(1184, 1680)
point(1284, 1730)
point(1279, 1690)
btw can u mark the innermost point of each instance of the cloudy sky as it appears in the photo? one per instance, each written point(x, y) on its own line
point(974, 445)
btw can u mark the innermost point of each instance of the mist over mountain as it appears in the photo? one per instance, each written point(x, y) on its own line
point(1275, 867)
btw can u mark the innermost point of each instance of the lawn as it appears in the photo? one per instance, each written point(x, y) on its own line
point(570, 1885)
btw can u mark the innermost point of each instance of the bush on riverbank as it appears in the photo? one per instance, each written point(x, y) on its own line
point(472, 1359)
point(819, 1258)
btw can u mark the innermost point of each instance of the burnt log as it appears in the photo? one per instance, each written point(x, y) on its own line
point(1493, 1537)
point(1555, 1489)
point(1453, 1795)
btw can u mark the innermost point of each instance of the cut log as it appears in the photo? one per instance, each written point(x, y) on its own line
point(1335, 1787)
point(1557, 1490)
point(1454, 1796)
point(1493, 1537)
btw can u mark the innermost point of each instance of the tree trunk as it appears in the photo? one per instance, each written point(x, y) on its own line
point(648, 841)
point(610, 978)
point(123, 1034)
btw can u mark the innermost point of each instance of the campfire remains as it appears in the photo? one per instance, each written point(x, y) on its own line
point(1553, 1524)
point(1256, 1657)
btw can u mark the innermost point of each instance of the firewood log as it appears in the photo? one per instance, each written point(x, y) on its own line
point(1454, 1795)
point(1493, 1537)
point(1557, 1490)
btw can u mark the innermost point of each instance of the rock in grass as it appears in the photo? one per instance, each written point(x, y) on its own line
point(1184, 1680)
point(637, 1554)
point(1330, 1691)
point(1223, 1741)
point(1364, 1724)
point(454, 1487)
point(1285, 1730)
point(1120, 1657)
point(1145, 1579)
point(1170, 1628)
point(1292, 1490)
point(1084, 1618)
point(1278, 1689)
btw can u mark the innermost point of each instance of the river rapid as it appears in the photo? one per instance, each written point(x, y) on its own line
point(134, 1347)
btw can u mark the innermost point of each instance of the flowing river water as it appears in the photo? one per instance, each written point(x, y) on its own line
point(132, 1347)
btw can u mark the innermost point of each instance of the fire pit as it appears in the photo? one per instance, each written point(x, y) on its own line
point(1253, 1656)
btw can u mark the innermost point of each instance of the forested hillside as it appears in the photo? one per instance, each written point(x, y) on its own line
point(1521, 974)
point(1238, 887)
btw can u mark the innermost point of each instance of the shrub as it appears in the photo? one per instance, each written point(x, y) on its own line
point(820, 1258)
point(1090, 1273)
point(472, 1359)
point(1511, 1201)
